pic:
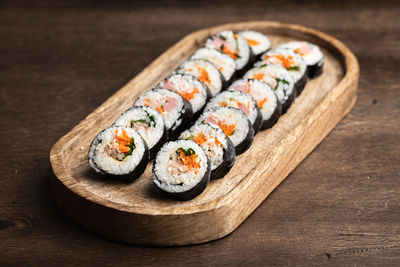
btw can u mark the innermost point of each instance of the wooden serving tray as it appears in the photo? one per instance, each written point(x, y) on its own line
point(137, 213)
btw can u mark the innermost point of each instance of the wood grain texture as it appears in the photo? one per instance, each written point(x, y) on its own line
point(340, 206)
point(142, 214)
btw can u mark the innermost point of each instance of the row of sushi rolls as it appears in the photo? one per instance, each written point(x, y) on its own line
point(198, 119)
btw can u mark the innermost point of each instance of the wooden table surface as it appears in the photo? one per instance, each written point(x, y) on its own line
point(59, 61)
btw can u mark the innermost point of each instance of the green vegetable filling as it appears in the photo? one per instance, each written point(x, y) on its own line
point(131, 148)
point(279, 80)
point(151, 122)
point(187, 152)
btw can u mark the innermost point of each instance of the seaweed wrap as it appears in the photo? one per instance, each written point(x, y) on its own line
point(239, 100)
point(258, 42)
point(190, 88)
point(264, 95)
point(175, 110)
point(312, 55)
point(218, 147)
point(291, 61)
point(235, 46)
point(280, 81)
point(148, 123)
point(119, 152)
point(206, 72)
point(224, 63)
point(181, 169)
point(234, 123)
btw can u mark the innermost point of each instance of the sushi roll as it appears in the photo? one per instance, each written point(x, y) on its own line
point(311, 54)
point(176, 111)
point(234, 123)
point(258, 42)
point(181, 169)
point(224, 63)
point(264, 95)
point(190, 88)
point(235, 46)
point(291, 61)
point(148, 123)
point(239, 100)
point(205, 71)
point(119, 152)
point(218, 147)
point(279, 79)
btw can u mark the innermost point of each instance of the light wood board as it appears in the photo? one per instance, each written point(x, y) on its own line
point(137, 212)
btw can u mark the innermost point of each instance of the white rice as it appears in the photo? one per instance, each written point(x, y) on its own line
point(100, 161)
point(171, 183)
point(224, 63)
point(151, 134)
point(312, 57)
point(228, 116)
point(186, 84)
point(195, 66)
point(159, 96)
point(263, 41)
point(213, 151)
point(235, 43)
point(235, 99)
point(259, 91)
point(297, 69)
point(274, 75)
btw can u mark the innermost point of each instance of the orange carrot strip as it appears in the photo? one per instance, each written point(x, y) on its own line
point(147, 102)
point(217, 142)
point(203, 77)
point(160, 109)
point(227, 128)
point(188, 96)
point(200, 139)
point(229, 52)
point(252, 42)
point(298, 51)
point(123, 141)
point(287, 62)
point(189, 161)
point(259, 76)
point(262, 102)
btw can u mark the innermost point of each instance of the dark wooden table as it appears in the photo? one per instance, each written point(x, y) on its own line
point(59, 61)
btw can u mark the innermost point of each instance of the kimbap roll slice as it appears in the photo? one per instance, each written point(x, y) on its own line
point(205, 71)
point(148, 123)
point(279, 79)
point(239, 100)
point(258, 42)
point(119, 152)
point(176, 111)
point(264, 95)
point(291, 61)
point(218, 147)
point(190, 88)
point(234, 123)
point(311, 54)
point(235, 46)
point(224, 63)
point(181, 169)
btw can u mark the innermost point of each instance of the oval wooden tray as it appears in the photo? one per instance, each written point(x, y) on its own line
point(137, 213)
